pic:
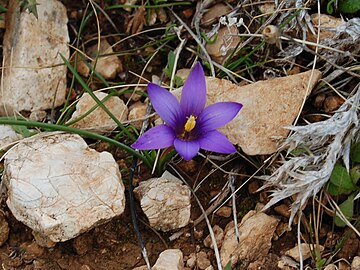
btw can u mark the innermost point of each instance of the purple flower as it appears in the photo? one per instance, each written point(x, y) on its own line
point(189, 125)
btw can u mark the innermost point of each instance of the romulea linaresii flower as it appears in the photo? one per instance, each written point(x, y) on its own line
point(189, 126)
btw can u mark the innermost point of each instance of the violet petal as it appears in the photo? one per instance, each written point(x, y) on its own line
point(215, 141)
point(193, 97)
point(157, 137)
point(165, 104)
point(217, 115)
point(186, 149)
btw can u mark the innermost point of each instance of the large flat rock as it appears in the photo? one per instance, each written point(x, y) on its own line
point(35, 76)
point(59, 187)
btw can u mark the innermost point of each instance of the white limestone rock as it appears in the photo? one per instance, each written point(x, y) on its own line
point(255, 233)
point(35, 79)
point(59, 187)
point(165, 201)
point(98, 120)
point(169, 259)
point(268, 107)
point(7, 136)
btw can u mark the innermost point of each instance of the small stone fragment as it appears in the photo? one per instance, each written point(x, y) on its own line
point(32, 251)
point(70, 188)
point(330, 267)
point(108, 65)
point(169, 259)
point(224, 211)
point(343, 265)
point(4, 229)
point(82, 68)
point(99, 120)
point(36, 75)
point(305, 250)
point(268, 107)
point(219, 236)
point(165, 201)
point(267, 8)
point(213, 14)
point(287, 263)
point(143, 267)
point(255, 233)
point(283, 210)
point(226, 42)
point(191, 261)
point(326, 22)
point(355, 264)
point(137, 111)
point(332, 103)
point(7, 136)
point(37, 115)
point(202, 260)
point(42, 240)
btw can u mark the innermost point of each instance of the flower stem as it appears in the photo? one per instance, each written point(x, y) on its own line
point(88, 134)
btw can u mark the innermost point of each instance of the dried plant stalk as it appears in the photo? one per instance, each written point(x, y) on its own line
point(325, 142)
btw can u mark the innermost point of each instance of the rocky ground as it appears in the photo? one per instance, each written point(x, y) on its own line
point(74, 98)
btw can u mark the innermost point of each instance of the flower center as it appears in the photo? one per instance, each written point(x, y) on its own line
point(190, 123)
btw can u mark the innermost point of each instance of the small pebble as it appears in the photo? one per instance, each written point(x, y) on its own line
point(283, 210)
point(219, 236)
point(202, 260)
point(355, 265)
point(224, 211)
point(332, 103)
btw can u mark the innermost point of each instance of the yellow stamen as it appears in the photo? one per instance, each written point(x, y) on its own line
point(190, 123)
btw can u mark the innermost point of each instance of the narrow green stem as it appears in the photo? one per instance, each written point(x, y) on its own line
point(88, 134)
point(101, 105)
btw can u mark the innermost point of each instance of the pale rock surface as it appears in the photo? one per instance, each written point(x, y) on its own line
point(169, 259)
point(227, 40)
point(355, 264)
point(213, 14)
point(202, 260)
point(268, 107)
point(7, 136)
point(326, 22)
point(108, 64)
point(305, 250)
point(165, 201)
point(255, 233)
point(219, 236)
point(143, 267)
point(36, 77)
point(330, 267)
point(98, 120)
point(59, 187)
point(191, 261)
point(137, 111)
point(287, 263)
